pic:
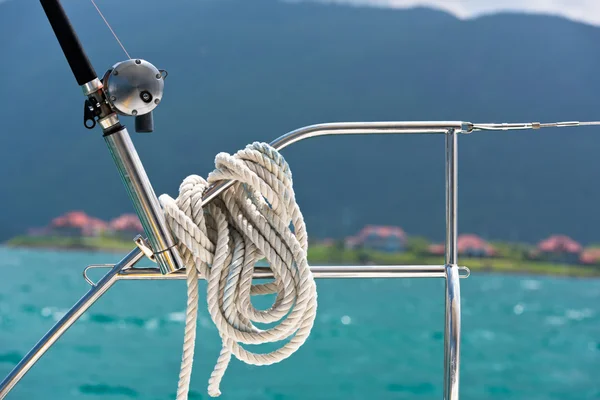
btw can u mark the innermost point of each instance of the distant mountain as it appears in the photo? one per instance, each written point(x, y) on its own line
point(244, 70)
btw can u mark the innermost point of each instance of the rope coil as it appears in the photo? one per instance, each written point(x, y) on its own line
point(256, 218)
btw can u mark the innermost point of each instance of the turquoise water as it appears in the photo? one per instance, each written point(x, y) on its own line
point(523, 338)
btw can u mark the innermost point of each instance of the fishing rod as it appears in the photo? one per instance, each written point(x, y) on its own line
point(133, 87)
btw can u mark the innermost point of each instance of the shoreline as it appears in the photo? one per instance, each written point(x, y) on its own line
point(485, 265)
point(92, 249)
point(57, 243)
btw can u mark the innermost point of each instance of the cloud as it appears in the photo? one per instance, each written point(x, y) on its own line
point(587, 11)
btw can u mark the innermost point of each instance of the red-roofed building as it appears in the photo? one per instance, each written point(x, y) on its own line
point(77, 224)
point(469, 245)
point(559, 248)
point(126, 226)
point(590, 257)
point(559, 243)
point(382, 238)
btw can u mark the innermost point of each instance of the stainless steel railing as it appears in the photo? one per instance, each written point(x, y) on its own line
point(450, 271)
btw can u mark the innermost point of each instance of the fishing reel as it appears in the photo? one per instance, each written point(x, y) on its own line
point(131, 88)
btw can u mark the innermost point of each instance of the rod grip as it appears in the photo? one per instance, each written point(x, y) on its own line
point(67, 38)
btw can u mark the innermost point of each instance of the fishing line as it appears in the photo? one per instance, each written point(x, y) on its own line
point(111, 29)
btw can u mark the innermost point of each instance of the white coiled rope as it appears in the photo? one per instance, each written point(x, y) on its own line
point(255, 218)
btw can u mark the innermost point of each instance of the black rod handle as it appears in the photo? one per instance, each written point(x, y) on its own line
point(67, 38)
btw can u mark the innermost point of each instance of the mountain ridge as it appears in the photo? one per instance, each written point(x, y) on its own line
point(242, 72)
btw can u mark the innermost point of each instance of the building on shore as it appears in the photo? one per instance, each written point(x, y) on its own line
point(558, 248)
point(469, 245)
point(77, 224)
point(590, 257)
point(389, 239)
point(126, 226)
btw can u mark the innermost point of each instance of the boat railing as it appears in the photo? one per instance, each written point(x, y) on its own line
point(451, 272)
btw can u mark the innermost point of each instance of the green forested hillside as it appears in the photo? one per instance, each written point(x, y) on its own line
point(242, 70)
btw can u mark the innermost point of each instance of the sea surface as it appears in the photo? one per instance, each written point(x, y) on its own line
point(524, 337)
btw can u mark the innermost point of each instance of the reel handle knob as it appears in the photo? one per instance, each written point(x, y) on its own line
point(144, 123)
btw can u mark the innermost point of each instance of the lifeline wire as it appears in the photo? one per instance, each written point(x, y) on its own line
point(257, 217)
point(111, 29)
point(528, 125)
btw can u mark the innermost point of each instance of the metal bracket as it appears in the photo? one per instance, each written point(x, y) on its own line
point(144, 246)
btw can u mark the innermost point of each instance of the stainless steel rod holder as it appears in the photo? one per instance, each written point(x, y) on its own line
point(144, 200)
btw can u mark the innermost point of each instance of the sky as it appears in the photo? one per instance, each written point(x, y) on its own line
point(587, 11)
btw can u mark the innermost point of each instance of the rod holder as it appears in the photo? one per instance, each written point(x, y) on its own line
point(144, 200)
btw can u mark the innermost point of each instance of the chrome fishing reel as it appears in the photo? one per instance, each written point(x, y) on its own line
point(133, 87)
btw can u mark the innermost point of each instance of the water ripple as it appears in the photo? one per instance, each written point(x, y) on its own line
point(418, 388)
point(103, 318)
point(530, 284)
point(579, 315)
point(555, 320)
point(53, 312)
point(108, 390)
point(12, 357)
point(176, 316)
